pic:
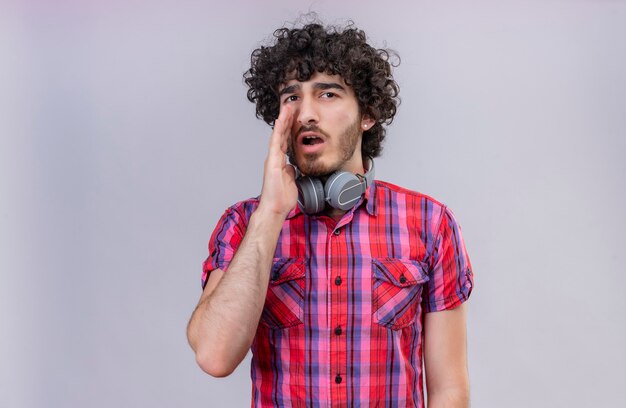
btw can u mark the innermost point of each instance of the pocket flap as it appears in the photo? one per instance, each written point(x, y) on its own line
point(400, 272)
point(286, 269)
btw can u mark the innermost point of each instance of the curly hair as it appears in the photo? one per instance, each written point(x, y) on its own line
point(314, 48)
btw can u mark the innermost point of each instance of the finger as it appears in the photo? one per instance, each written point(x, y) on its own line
point(275, 156)
point(284, 117)
point(282, 128)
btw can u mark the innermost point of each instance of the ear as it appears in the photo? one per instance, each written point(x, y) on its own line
point(367, 122)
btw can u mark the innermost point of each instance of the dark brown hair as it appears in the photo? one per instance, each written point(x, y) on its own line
point(314, 48)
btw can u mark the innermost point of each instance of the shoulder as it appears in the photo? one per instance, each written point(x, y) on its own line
point(243, 205)
point(414, 203)
point(409, 195)
point(241, 211)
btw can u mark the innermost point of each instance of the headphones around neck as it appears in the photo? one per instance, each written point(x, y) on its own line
point(342, 190)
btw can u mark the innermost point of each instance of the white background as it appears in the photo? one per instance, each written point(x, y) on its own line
point(125, 133)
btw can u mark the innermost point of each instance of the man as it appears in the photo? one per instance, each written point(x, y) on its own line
point(339, 302)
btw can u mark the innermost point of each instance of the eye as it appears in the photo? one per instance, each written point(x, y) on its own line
point(290, 98)
point(328, 95)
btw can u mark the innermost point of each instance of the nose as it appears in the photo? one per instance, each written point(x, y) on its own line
point(307, 112)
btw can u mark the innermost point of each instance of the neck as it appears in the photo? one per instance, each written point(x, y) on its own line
point(334, 213)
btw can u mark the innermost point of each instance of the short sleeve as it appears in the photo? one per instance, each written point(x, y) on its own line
point(225, 240)
point(450, 276)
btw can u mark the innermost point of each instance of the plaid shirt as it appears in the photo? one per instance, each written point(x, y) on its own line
point(342, 323)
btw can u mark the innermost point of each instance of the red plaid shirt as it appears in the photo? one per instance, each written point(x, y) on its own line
point(343, 317)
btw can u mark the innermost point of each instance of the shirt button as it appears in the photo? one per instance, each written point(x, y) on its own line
point(402, 279)
point(337, 231)
point(338, 331)
point(338, 379)
point(338, 280)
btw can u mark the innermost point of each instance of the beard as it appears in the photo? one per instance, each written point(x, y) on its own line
point(309, 163)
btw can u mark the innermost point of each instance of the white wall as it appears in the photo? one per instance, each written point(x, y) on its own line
point(125, 133)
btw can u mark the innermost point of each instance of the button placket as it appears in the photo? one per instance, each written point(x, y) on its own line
point(336, 244)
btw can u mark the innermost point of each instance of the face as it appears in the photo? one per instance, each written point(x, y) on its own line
point(327, 127)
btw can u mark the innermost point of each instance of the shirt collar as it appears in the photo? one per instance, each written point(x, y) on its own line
point(370, 197)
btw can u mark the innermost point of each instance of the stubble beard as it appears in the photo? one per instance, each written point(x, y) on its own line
point(310, 163)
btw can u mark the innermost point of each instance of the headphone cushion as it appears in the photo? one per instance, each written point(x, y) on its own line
point(310, 195)
point(343, 190)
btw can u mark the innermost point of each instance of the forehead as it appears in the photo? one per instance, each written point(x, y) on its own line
point(318, 77)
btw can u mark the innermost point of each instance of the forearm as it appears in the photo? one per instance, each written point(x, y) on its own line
point(224, 323)
point(445, 358)
point(449, 398)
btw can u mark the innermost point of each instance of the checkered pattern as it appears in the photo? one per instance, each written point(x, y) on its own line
point(343, 317)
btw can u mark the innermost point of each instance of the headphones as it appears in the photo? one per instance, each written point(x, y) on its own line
point(342, 190)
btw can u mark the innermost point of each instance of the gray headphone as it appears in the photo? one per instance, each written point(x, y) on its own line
point(342, 190)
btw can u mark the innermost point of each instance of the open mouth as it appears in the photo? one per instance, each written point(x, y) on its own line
point(311, 140)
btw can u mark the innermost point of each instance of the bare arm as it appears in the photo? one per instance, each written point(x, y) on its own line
point(445, 358)
point(223, 325)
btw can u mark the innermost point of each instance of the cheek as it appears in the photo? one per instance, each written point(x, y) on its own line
point(340, 120)
point(349, 113)
point(346, 114)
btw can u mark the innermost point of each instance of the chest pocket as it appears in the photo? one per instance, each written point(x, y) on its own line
point(396, 291)
point(285, 294)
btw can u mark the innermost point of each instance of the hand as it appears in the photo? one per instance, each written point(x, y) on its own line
point(279, 194)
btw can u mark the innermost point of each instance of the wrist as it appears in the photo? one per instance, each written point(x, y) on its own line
point(268, 218)
point(270, 214)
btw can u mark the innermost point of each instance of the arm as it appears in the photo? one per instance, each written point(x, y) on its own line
point(223, 325)
point(445, 358)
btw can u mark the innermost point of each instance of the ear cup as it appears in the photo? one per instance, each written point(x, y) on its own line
point(310, 195)
point(343, 190)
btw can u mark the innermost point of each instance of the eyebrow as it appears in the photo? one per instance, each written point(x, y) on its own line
point(317, 85)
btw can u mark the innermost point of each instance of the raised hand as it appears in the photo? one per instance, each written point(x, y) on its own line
point(279, 194)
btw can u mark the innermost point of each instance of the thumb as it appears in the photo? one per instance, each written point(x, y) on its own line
point(292, 170)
